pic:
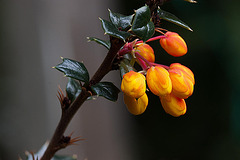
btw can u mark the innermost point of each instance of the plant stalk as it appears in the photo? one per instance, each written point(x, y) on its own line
point(57, 142)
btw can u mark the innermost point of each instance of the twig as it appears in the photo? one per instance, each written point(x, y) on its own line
point(59, 141)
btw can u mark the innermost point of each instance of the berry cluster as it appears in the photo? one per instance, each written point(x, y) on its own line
point(172, 84)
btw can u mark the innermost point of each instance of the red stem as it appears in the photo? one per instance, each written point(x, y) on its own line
point(156, 64)
point(143, 61)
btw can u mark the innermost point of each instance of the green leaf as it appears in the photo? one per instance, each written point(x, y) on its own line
point(110, 29)
point(73, 89)
point(142, 25)
point(172, 18)
point(122, 22)
point(73, 69)
point(107, 90)
point(145, 32)
point(106, 44)
point(125, 67)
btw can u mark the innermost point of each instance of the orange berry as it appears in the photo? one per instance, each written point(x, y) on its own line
point(182, 80)
point(173, 44)
point(158, 81)
point(145, 51)
point(136, 106)
point(173, 105)
point(133, 84)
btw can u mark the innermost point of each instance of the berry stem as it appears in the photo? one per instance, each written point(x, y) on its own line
point(144, 63)
point(156, 38)
point(156, 64)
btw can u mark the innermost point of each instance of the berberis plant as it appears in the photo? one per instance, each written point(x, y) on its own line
point(127, 48)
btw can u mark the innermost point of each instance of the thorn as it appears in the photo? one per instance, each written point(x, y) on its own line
point(58, 98)
point(60, 90)
point(109, 10)
point(61, 57)
point(54, 67)
point(100, 18)
point(60, 95)
point(74, 140)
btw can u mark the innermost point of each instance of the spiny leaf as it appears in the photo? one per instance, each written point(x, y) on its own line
point(172, 18)
point(145, 32)
point(110, 29)
point(73, 69)
point(106, 44)
point(142, 25)
point(107, 90)
point(73, 89)
point(122, 22)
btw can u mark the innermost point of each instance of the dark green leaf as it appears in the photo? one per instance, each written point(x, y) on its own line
point(142, 17)
point(73, 69)
point(142, 25)
point(172, 18)
point(73, 89)
point(106, 44)
point(107, 90)
point(145, 32)
point(110, 29)
point(120, 21)
point(125, 67)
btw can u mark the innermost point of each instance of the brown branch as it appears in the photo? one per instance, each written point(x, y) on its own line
point(58, 140)
point(106, 66)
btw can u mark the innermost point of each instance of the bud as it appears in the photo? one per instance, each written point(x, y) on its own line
point(158, 81)
point(173, 105)
point(136, 106)
point(182, 80)
point(173, 44)
point(133, 84)
point(145, 51)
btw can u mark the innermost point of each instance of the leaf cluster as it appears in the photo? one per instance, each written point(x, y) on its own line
point(77, 73)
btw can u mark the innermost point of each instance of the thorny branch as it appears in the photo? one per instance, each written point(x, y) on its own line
point(59, 141)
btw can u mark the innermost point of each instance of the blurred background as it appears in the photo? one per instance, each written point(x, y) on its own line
point(35, 34)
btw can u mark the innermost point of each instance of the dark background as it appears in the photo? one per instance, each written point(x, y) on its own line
point(210, 128)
